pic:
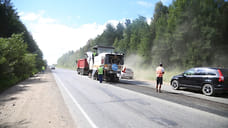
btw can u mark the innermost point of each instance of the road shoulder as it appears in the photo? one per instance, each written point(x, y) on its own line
point(35, 102)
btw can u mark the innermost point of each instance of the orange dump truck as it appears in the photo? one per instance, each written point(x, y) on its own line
point(82, 67)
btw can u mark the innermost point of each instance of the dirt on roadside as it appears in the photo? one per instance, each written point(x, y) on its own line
point(34, 103)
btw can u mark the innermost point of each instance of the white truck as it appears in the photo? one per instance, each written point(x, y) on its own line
point(105, 56)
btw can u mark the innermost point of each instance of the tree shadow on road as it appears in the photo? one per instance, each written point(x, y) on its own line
point(9, 94)
point(20, 124)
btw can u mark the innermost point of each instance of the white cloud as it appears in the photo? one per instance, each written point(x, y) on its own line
point(29, 16)
point(145, 4)
point(46, 20)
point(152, 3)
point(21, 13)
point(55, 39)
point(148, 20)
point(166, 2)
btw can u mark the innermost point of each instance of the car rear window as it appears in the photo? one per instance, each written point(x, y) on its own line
point(210, 72)
point(224, 72)
point(204, 71)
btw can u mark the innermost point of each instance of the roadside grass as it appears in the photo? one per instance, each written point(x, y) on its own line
point(170, 73)
point(4, 85)
point(7, 83)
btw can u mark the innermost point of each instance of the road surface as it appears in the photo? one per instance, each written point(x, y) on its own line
point(126, 105)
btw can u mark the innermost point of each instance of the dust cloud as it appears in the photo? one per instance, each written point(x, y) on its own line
point(144, 71)
point(141, 71)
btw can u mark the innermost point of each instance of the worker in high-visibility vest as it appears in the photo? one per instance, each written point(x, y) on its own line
point(93, 55)
point(159, 74)
point(43, 69)
point(100, 73)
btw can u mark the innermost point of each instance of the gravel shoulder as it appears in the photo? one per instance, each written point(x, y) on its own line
point(34, 103)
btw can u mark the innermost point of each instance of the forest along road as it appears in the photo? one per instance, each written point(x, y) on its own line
point(35, 103)
point(123, 105)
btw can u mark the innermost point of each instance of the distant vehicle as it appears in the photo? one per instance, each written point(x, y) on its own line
point(128, 74)
point(52, 67)
point(208, 80)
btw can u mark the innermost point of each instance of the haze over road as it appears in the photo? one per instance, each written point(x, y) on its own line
point(106, 106)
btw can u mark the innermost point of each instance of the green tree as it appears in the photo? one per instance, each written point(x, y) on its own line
point(188, 33)
point(15, 62)
point(109, 35)
point(11, 24)
point(20, 56)
point(122, 45)
point(161, 50)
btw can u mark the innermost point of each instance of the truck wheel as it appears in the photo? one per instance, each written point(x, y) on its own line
point(208, 89)
point(116, 79)
point(90, 75)
point(107, 79)
point(77, 71)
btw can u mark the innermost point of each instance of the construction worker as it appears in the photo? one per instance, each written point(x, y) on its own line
point(159, 74)
point(43, 68)
point(93, 55)
point(100, 73)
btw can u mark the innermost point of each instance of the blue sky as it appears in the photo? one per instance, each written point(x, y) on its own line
point(62, 25)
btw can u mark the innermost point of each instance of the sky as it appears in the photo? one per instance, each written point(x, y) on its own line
point(60, 26)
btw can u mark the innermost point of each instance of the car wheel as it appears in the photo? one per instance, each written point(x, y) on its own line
point(208, 89)
point(175, 84)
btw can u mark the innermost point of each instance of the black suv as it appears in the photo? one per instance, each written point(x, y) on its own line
point(209, 80)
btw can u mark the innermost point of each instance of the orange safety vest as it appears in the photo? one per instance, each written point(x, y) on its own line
point(159, 71)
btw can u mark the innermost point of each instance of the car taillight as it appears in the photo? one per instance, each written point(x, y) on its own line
point(221, 77)
point(124, 70)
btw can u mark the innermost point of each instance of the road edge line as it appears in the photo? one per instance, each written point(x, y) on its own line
point(76, 103)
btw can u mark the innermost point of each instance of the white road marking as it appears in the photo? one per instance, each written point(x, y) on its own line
point(76, 103)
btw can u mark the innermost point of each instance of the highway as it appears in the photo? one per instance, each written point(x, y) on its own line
point(126, 104)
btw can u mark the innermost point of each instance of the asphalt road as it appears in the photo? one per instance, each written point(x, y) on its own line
point(128, 105)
